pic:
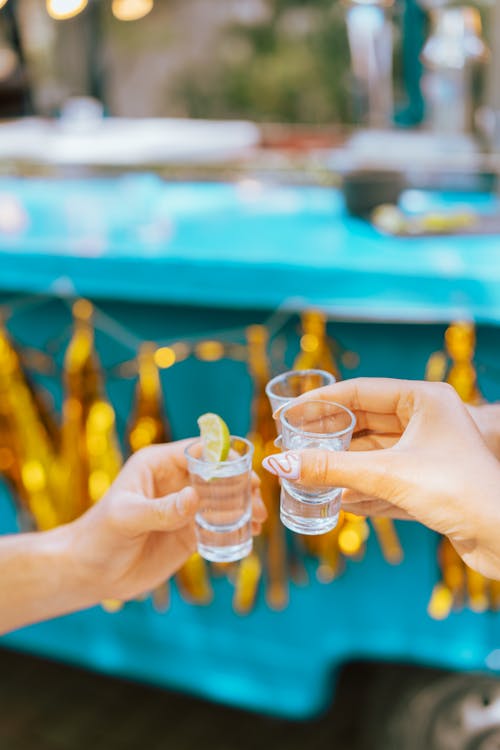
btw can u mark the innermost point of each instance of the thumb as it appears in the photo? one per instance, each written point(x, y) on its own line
point(167, 513)
point(367, 472)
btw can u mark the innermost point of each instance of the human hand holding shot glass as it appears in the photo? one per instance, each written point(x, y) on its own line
point(220, 469)
point(309, 424)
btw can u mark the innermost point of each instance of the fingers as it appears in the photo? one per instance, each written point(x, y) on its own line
point(156, 470)
point(376, 401)
point(141, 515)
point(366, 472)
point(369, 441)
point(259, 512)
point(255, 484)
point(373, 395)
point(361, 505)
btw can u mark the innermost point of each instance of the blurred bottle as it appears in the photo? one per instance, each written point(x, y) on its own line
point(453, 56)
point(370, 35)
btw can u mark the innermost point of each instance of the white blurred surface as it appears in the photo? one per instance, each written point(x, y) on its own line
point(119, 141)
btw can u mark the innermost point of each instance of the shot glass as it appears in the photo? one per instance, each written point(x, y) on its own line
point(287, 386)
point(224, 519)
point(313, 424)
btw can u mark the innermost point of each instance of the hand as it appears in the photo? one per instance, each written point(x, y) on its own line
point(142, 531)
point(487, 419)
point(418, 454)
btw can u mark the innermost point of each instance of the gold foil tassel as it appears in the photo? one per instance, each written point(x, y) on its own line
point(262, 435)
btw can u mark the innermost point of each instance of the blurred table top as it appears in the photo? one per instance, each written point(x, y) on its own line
point(247, 244)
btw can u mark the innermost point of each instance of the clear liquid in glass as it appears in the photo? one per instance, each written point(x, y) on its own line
point(305, 509)
point(224, 519)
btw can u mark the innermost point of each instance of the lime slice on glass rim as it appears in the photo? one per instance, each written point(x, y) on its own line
point(215, 437)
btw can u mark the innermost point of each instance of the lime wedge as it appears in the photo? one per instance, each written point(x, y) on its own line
point(214, 433)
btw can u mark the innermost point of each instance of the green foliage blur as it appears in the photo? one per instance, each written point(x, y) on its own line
point(290, 66)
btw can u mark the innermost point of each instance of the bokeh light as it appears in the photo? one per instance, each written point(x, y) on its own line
point(64, 9)
point(131, 10)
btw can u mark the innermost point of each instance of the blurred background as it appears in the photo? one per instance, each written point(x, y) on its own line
point(194, 196)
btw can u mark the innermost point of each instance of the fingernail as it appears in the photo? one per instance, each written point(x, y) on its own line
point(286, 465)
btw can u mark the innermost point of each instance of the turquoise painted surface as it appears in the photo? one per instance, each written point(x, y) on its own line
point(243, 245)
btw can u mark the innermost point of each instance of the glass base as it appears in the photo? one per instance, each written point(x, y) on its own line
point(308, 517)
point(227, 554)
point(309, 526)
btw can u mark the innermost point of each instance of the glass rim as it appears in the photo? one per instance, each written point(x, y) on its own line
point(283, 375)
point(297, 430)
point(240, 460)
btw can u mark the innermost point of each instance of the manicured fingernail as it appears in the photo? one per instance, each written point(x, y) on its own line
point(286, 465)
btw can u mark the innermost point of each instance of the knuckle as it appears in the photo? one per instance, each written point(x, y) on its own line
point(444, 392)
point(323, 466)
point(142, 455)
point(158, 512)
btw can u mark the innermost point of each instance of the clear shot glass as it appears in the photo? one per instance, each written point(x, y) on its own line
point(287, 386)
point(324, 425)
point(224, 518)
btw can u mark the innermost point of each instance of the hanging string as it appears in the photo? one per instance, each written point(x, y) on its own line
point(22, 304)
point(203, 345)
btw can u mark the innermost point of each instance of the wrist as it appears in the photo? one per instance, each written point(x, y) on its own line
point(482, 551)
point(72, 586)
point(40, 579)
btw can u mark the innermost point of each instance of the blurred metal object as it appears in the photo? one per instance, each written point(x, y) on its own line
point(452, 55)
point(370, 35)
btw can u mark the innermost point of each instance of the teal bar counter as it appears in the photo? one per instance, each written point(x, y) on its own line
point(169, 262)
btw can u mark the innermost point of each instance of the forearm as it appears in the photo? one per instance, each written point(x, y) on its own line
point(38, 579)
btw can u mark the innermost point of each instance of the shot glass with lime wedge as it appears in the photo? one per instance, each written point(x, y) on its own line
point(220, 468)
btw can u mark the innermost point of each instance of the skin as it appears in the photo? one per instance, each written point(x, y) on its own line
point(137, 536)
point(417, 453)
